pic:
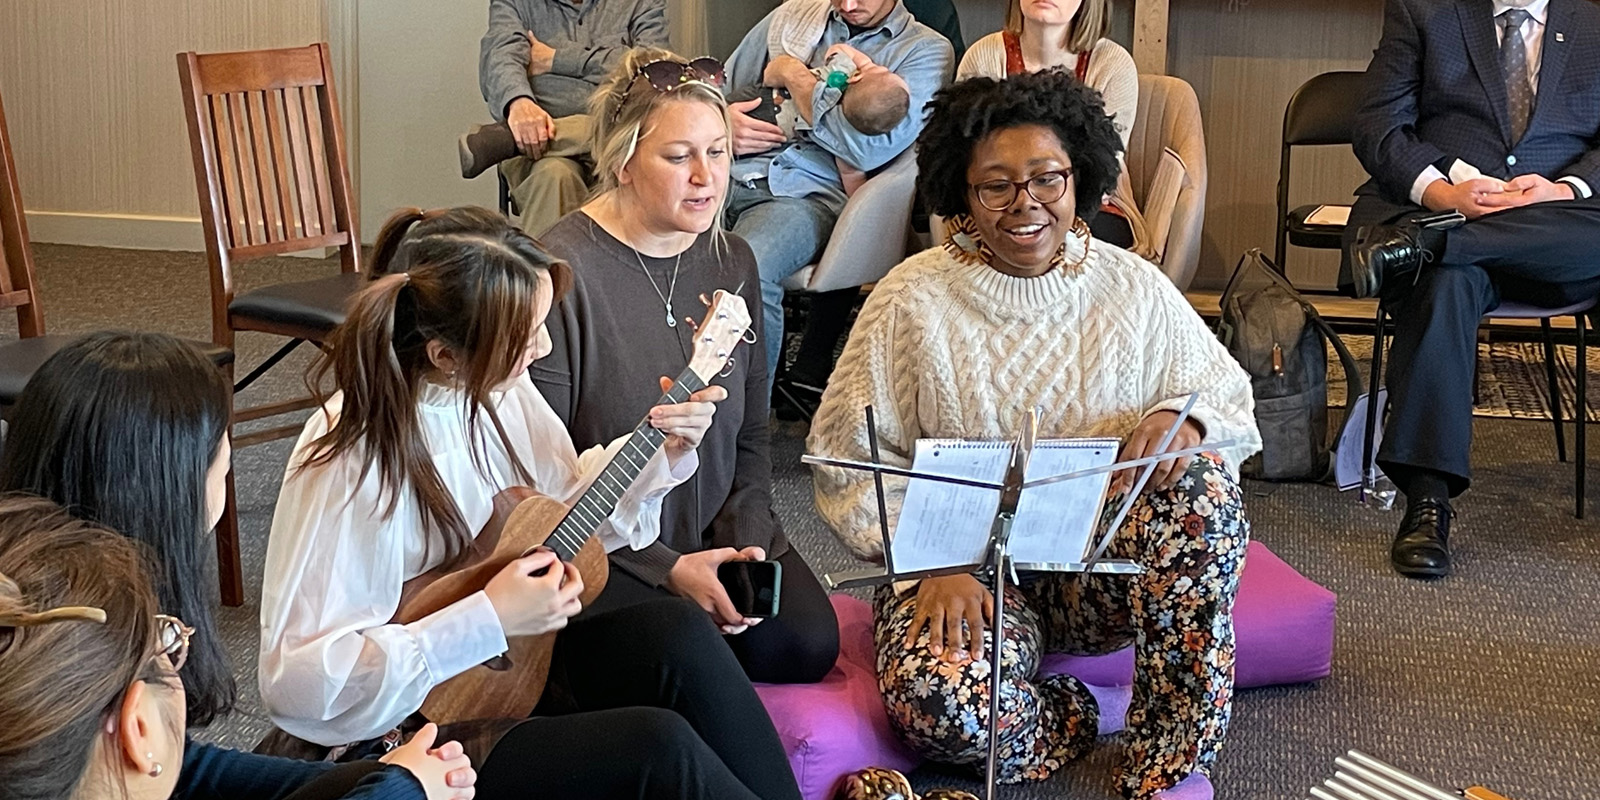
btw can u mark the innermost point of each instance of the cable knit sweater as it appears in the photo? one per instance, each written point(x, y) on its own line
point(950, 349)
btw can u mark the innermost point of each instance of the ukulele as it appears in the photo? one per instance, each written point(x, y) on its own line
point(509, 685)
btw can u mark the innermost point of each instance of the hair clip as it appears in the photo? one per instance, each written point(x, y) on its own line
point(26, 620)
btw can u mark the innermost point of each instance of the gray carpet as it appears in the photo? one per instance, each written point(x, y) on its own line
point(1487, 677)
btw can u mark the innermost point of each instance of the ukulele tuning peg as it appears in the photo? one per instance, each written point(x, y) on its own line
point(727, 370)
point(749, 336)
point(693, 326)
point(706, 301)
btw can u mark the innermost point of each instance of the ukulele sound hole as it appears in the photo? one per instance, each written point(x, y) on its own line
point(499, 663)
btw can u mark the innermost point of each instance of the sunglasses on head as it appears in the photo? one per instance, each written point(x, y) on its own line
point(665, 76)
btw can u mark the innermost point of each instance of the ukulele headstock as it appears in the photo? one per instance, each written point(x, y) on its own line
point(726, 324)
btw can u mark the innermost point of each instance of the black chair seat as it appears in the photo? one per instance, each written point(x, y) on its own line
point(305, 306)
point(20, 358)
point(1325, 237)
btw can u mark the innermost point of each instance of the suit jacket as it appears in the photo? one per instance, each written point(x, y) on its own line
point(1435, 94)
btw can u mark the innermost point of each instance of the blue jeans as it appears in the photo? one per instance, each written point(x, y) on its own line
point(786, 234)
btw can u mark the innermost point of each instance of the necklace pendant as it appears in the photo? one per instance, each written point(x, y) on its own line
point(671, 323)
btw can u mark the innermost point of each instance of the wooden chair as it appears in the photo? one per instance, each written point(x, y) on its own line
point(269, 167)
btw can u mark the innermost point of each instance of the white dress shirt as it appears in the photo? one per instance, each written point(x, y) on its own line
point(1533, 45)
point(334, 669)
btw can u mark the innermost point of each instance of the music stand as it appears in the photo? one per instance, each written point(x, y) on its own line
point(997, 564)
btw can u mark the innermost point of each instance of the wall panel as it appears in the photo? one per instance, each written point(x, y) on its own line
point(91, 93)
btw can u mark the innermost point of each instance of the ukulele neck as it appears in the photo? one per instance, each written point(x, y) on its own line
point(597, 502)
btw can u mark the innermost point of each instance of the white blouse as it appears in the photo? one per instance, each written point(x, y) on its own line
point(334, 669)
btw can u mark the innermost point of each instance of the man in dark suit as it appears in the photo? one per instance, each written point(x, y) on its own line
point(1489, 109)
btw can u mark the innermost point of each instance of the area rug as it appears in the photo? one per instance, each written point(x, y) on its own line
point(1511, 378)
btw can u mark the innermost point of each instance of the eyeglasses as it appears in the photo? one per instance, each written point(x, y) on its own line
point(666, 76)
point(1046, 187)
point(172, 640)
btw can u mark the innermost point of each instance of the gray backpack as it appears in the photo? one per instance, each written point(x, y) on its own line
point(1279, 338)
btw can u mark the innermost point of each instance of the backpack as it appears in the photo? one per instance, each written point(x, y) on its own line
point(1280, 339)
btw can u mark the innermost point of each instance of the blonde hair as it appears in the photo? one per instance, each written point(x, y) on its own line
point(619, 117)
point(1087, 27)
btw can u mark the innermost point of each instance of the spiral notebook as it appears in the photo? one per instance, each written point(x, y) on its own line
point(942, 525)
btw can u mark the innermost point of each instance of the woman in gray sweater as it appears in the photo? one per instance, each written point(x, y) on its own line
point(642, 252)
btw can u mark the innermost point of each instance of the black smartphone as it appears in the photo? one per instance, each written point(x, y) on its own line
point(753, 586)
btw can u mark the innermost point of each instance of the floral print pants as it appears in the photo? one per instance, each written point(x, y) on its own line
point(1178, 615)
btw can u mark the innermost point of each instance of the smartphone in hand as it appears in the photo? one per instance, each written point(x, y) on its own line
point(753, 586)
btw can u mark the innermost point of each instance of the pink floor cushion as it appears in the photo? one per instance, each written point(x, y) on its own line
point(1284, 624)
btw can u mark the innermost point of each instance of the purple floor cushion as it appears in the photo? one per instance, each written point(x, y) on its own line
point(1283, 621)
point(837, 726)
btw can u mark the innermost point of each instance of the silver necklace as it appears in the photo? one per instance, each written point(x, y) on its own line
point(666, 299)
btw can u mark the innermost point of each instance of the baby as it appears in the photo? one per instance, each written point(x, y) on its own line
point(875, 101)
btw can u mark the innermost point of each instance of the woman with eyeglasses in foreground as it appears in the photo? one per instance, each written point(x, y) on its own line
point(396, 475)
point(643, 250)
point(1023, 310)
point(92, 699)
point(130, 430)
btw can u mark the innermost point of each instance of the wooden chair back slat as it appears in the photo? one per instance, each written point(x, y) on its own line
point(16, 257)
point(249, 190)
point(226, 168)
point(319, 166)
point(279, 138)
point(266, 181)
point(300, 153)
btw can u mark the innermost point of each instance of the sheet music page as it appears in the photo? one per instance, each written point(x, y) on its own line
point(942, 525)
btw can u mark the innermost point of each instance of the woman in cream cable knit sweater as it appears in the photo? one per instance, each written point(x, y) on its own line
point(1021, 309)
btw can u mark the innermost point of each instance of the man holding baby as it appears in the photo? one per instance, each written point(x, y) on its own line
point(787, 191)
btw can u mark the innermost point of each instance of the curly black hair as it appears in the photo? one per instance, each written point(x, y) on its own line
point(965, 112)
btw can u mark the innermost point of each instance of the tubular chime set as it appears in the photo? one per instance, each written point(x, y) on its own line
point(1362, 777)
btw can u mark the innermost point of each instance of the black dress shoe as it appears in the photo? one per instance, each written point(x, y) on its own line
point(1422, 547)
point(1384, 252)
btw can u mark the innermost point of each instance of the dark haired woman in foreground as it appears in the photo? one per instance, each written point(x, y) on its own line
point(130, 430)
point(1021, 309)
point(396, 475)
point(93, 703)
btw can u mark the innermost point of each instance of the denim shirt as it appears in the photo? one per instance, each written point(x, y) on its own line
point(920, 56)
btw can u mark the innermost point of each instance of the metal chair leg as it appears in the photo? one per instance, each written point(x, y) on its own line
point(1581, 415)
point(1369, 473)
point(1555, 388)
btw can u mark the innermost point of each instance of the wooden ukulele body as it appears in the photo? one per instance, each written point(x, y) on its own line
point(512, 686)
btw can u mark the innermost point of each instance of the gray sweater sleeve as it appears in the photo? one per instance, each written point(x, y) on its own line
point(503, 59)
point(647, 28)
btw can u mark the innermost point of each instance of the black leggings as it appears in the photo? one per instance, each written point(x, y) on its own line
point(643, 703)
point(799, 645)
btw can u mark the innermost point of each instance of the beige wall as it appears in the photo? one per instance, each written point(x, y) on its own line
point(91, 94)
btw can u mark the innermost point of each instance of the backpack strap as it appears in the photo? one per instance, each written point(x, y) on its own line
point(1354, 384)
